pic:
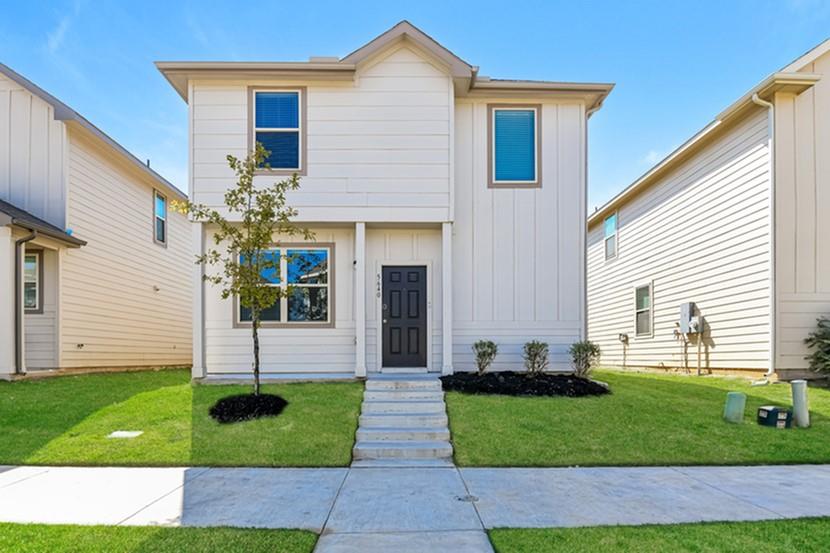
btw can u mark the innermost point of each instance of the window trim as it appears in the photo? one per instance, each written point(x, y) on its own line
point(284, 322)
point(303, 122)
point(615, 235)
point(166, 219)
point(491, 149)
point(650, 309)
point(39, 272)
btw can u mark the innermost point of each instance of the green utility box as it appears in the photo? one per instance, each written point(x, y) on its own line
point(776, 417)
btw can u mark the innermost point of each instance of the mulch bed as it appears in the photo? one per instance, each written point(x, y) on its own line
point(511, 383)
point(247, 407)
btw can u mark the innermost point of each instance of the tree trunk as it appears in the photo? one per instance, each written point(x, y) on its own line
point(255, 328)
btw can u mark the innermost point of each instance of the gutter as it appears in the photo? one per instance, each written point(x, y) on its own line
point(773, 297)
point(588, 113)
point(18, 301)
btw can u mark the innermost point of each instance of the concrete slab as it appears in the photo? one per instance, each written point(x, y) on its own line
point(790, 491)
point(10, 475)
point(249, 497)
point(75, 495)
point(402, 500)
point(406, 542)
point(536, 498)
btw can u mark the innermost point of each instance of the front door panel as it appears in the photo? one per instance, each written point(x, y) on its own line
point(404, 316)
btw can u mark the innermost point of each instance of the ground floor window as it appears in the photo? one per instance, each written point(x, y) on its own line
point(643, 310)
point(32, 276)
point(304, 277)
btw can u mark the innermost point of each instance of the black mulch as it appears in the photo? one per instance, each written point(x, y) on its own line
point(247, 407)
point(511, 383)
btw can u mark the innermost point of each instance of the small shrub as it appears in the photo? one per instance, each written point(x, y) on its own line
point(584, 356)
point(486, 351)
point(535, 354)
point(819, 342)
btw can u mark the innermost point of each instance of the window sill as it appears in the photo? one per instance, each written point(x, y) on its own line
point(280, 172)
point(514, 184)
point(266, 325)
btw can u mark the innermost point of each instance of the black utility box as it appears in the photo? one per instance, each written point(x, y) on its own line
point(777, 417)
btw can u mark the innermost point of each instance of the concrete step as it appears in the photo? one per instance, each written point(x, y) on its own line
point(403, 450)
point(377, 383)
point(403, 463)
point(403, 406)
point(407, 420)
point(391, 395)
point(404, 370)
point(381, 434)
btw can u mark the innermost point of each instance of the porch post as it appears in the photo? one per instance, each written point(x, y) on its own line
point(7, 307)
point(360, 299)
point(198, 288)
point(446, 297)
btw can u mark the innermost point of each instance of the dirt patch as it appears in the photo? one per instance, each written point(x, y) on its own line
point(247, 407)
point(511, 383)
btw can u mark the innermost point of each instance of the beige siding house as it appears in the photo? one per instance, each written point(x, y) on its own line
point(95, 265)
point(730, 222)
point(447, 206)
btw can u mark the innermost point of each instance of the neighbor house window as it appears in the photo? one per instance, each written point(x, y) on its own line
point(159, 217)
point(514, 135)
point(305, 282)
point(643, 306)
point(278, 126)
point(32, 271)
point(610, 227)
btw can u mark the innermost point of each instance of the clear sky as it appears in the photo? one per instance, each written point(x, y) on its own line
point(675, 64)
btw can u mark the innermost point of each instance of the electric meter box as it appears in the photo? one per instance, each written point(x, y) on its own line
point(687, 314)
point(776, 417)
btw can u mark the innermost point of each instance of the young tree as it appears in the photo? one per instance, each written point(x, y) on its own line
point(243, 236)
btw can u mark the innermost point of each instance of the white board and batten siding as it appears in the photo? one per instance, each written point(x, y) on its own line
point(802, 207)
point(125, 300)
point(700, 234)
point(518, 254)
point(32, 164)
point(378, 148)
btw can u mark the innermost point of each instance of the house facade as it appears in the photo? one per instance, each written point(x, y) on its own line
point(447, 208)
point(717, 258)
point(95, 266)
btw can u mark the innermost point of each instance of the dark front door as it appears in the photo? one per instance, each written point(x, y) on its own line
point(404, 313)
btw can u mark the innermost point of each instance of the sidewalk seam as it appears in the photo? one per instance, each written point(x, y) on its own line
point(333, 503)
point(741, 499)
point(475, 506)
point(156, 500)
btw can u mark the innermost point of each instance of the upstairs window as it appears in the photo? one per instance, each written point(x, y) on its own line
point(610, 227)
point(32, 292)
point(159, 218)
point(643, 309)
point(514, 136)
point(278, 117)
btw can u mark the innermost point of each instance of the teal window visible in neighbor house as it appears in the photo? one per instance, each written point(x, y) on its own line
point(277, 126)
point(159, 217)
point(643, 308)
point(31, 281)
point(514, 145)
point(610, 229)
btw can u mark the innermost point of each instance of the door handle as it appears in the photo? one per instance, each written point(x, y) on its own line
point(385, 321)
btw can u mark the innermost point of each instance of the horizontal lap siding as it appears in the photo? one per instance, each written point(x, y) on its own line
point(378, 148)
point(701, 234)
point(111, 313)
point(802, 207)
point(518, 256)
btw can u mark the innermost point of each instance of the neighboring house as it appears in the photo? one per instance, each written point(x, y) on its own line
point(448, 207)
point(103, 264)
point(733, 221)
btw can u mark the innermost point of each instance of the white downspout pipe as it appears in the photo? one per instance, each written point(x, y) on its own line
point(773, 297)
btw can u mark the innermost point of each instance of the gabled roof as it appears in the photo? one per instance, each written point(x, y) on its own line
point(467, 80)
point(66, 113)
point(785, 81)
point(11, 214)
point(807, 58)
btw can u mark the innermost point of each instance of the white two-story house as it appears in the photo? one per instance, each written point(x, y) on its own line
point(448, 207)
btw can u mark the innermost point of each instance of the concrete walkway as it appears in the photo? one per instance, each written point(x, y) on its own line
point(410, 509)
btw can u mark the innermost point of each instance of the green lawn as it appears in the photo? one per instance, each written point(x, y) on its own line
point(648, 420)
point(65, 421)
point(780, 536)
point(37, 538)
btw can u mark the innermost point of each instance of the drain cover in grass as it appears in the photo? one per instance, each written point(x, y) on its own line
point(126, 434)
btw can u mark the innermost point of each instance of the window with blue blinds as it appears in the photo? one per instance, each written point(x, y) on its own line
point(514, 145)
point(277, 122)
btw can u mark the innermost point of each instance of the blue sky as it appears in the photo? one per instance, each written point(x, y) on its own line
point(676, 65)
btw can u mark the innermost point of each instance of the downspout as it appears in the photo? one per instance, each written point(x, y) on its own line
point(18, 301)
point(773, 297)
point(588, 113)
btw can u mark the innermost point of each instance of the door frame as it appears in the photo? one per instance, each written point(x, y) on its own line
point(379, 265)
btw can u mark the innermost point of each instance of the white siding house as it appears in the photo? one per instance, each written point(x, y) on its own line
point(83, 282)
point(394, 145)
point(730, 222)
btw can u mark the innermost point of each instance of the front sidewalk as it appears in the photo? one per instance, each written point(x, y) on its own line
point(410, 508)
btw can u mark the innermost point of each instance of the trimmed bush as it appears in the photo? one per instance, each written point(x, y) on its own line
point(819, 342)
point(535, 354)
point(485, 351)
point(584, 356)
